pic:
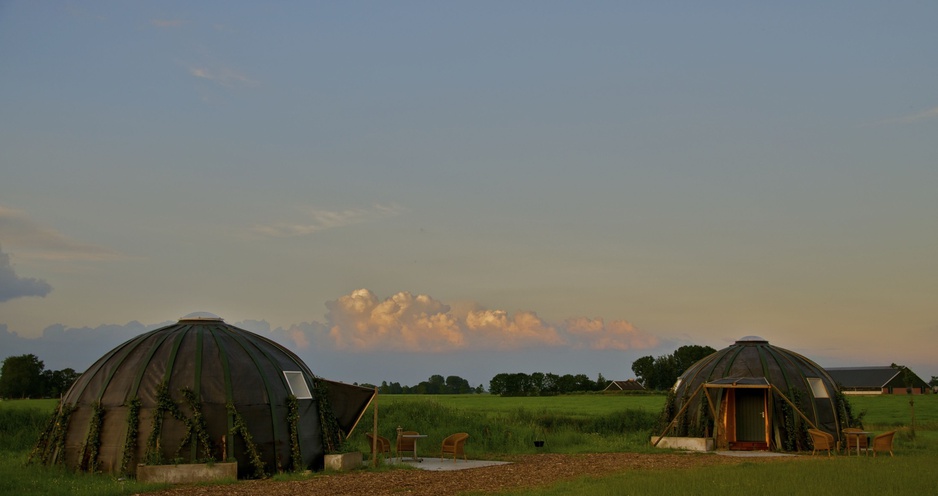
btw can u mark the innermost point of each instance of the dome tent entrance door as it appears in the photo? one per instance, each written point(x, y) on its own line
point(750, 419)
point(745, 411)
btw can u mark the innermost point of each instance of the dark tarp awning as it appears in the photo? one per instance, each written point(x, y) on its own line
point(348, 403)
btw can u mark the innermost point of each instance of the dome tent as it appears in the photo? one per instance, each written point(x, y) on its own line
point(200, 390)
point(753, 395)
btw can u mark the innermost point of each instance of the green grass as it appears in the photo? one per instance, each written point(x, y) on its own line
point(501, 426)
point(890, 411)
point(21, 421)
point(906, 473)
point(43, 405)
point(584, 405)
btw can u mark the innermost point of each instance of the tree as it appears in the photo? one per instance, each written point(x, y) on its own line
point(457, 385)
point(499, 384)
point(644, 369)
point(662, 372)
point(21, 377)
point(55, 383)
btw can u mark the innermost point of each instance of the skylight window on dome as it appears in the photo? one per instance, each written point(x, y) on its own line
point(817, 387)
point(297, 384)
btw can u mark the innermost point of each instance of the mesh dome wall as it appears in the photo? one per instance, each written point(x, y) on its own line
point(754, 358)
point(222, 365)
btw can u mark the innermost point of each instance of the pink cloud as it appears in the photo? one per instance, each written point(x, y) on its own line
point(360, 321)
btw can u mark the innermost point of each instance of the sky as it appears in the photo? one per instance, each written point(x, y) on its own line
point(399, 189)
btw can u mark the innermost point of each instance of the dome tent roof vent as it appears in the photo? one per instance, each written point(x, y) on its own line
point(202, 316)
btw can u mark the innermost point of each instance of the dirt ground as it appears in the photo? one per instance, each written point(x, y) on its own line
point(525, 471)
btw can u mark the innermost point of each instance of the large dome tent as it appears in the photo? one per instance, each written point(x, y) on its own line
point(201, 390)
point(755, 396)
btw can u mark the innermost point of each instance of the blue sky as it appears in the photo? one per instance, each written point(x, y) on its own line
point(397, 189)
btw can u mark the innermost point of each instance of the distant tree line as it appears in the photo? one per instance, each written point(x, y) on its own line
point(541, 384)
point(661, 373)
point(436, 384)
point(24, 376)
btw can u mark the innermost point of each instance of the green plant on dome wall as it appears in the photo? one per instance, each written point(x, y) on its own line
point(293, 419)
point(240, 427)
point(52, 439)
point(196, 430)
point(153, 455)
point(331, 433)
point(88, 455)
point(195, 427)
point(130, 440)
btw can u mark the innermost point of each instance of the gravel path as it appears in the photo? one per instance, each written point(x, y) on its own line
point(525, 471)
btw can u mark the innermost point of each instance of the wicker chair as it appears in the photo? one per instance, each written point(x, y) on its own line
point(454, 445)
point(822, 441)
point(405, 444)
point(384, 445)
point(883, 442)
point(853, 440)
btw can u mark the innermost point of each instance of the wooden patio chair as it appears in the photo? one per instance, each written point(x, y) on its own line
point(454, 445)
point(405, 444)
point(883, 442)
point(853, 439)
point(822, 441)
point(384, 445)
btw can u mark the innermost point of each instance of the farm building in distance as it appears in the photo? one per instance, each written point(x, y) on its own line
point(629, 385)
point(878, 380)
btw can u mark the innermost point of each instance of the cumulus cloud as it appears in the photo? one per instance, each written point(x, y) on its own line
point(316, 220)
point(36, 242)
point(13, 286)
point(403, 322)
point(360, 321)
point(595, 334)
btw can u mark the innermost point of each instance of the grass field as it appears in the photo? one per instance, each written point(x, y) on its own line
point(21, 421)
point(911, 471)
point(500, 426)
point(585, 405)
point(569, 424)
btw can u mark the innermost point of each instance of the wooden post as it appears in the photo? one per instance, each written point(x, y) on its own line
point(374, 436)
point(674, 421)
point(795, 407)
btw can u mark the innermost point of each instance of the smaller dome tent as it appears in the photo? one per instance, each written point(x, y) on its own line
point(755, 396)
point(198, 390)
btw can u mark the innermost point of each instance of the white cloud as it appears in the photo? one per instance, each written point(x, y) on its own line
point(403, 322)
point(33, 241)
point(360, 321)
point(617, 335)
point(320, 220)
point(496, 329)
